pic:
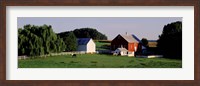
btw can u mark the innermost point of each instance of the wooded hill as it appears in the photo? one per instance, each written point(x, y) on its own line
point(85, 33)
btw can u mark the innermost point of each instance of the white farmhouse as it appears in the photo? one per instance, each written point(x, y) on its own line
point(86, 45)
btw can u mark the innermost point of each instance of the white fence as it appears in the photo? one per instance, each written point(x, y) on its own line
point(23, 57)
point(67, 53)
point(54, 54)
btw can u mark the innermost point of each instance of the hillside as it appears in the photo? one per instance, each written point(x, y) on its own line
point(85, 33)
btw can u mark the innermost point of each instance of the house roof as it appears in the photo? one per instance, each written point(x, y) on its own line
point(83, 41)
point(129, 38)
point(122, 49)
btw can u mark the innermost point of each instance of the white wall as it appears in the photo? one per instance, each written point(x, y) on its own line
point(91, 47)
point(123, 53)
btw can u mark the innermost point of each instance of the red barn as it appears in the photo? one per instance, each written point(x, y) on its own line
point(130, 42)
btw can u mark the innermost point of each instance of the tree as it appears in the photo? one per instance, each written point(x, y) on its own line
point(36, 47)
point(21, 42)
point(60, 45)
point(144, 42)
point(170, 41)
point(85, 33)
point(89, 33)
point(70, 42)
point(38, 40)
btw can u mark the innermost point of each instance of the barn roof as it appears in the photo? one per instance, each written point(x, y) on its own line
point(129, 38)
point(83, 41)
point(135, 37)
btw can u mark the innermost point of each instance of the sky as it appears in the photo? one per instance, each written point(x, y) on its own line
point(142, 27)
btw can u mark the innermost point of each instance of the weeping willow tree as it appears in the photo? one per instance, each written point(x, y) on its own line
point(38, 40)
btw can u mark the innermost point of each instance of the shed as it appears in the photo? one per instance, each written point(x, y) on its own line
point(121, 51)
point(86, 45)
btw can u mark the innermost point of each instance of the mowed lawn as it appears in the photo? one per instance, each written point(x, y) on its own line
point(98, 61)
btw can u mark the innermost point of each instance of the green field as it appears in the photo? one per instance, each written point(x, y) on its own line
point(102, 45)
point(98, 61)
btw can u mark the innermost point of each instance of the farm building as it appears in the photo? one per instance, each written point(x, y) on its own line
point(86, 45)
point(130, 42)
point(152, 47)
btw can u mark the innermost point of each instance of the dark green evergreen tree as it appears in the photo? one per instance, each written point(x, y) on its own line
point(70, 42)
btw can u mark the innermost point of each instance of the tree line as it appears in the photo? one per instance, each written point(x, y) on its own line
point(86, 33)
point(40, 40)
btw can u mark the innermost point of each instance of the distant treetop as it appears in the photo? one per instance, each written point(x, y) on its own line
point(86, 33)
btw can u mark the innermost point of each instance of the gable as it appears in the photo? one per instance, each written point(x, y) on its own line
point(118, 39)
point(91, 42)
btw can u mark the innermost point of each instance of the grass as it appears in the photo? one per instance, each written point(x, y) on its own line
point(102, 45)
point(98, 61)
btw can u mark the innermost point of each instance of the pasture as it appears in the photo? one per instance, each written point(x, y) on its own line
point(98, 61)
point(102, 45)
